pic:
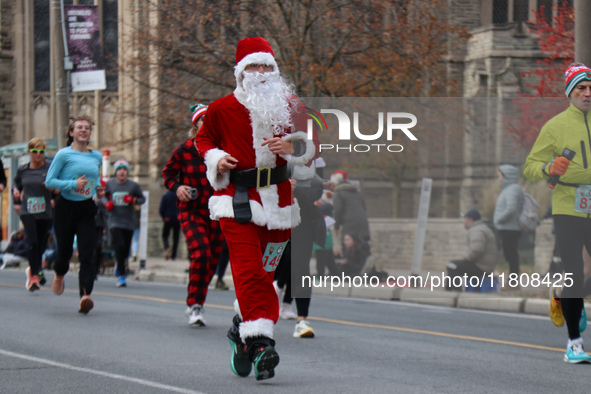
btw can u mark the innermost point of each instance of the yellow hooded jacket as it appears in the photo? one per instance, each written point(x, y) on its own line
point(569, 129)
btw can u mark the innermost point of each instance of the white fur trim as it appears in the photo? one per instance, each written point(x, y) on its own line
point(274, 218)
point(303, 173)
point(212, 158)
point(308, 154)
point(237, 309)
point(256, 328)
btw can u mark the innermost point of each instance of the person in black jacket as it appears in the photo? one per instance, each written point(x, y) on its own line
point(169, 213)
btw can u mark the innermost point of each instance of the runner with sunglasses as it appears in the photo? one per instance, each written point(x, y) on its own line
point(36, 211)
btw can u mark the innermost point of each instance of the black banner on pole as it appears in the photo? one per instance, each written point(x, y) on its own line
point(84, 44)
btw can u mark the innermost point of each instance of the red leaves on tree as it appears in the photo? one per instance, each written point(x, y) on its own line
point(556, 40)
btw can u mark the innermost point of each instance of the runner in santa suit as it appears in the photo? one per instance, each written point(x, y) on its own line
point(247, 139)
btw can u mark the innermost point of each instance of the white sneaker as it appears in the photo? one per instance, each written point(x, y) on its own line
point(278, 290)
point(303, 330)
point(286, 313)
point(195, 315)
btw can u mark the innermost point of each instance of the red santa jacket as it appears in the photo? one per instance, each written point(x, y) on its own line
point(227, 130)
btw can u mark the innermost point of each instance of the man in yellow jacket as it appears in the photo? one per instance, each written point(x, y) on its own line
point(571, 200)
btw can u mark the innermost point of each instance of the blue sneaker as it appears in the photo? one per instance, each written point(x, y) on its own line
point(575, 353)
point(583, 321)
point(265, 360)
point(121, 282)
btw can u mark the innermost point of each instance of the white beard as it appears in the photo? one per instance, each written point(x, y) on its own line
point(268, 100)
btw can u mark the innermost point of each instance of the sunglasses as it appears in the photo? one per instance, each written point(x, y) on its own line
point(37, 150)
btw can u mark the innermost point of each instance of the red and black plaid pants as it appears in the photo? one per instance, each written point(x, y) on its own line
point(205, 241)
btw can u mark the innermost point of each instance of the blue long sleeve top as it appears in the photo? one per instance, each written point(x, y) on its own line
point(67, 166)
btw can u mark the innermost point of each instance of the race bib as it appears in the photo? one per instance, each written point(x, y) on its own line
point(87, 192)
point(36, 204)
point(583, 199)
point(117, 198)
point(272, 255)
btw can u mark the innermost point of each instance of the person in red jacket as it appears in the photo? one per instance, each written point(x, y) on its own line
point(184, 174)
point(247, 139)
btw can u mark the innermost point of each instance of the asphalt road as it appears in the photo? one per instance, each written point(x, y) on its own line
point(136, 340)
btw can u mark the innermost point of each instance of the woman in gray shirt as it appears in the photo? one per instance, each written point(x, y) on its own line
point(36, 211)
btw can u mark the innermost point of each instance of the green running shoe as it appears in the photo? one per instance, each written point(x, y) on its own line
point(265, 360)
point(240, 362)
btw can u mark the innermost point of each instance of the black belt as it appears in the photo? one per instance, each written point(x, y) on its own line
point(568, 184)
point(261, 178)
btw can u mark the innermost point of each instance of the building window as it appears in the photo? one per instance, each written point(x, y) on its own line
point(42, 54)
point(545, 10)
point(520, 10)
point(110, 44)
point(500, 12)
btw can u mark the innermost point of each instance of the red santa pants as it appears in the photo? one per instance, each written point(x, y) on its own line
point(258, 302)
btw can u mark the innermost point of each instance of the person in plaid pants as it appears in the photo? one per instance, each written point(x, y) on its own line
point(184, 174)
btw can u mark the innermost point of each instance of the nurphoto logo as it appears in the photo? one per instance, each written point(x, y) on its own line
point(395, 123)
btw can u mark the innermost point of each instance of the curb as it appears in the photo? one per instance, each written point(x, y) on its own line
point(493, 302)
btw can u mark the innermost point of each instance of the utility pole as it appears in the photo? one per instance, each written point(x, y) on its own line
point(583, 32)
point(59, 84)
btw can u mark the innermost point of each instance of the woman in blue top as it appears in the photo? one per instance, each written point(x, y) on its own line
point(75, 173)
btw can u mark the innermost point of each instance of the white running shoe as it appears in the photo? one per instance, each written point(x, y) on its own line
point(278, 290)
point(195, 315)
point(286, 313)
point(303, 330)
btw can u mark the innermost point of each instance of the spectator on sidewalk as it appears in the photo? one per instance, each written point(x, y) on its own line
point(480, 256)
point(506, 216)
point(350, 214)
point(16, 251)
point(169, 214)
point(355, 254)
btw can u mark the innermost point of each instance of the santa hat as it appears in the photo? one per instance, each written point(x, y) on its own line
point(121, 163)
point(198, 111)
point(574, 74)
point(253, 50)
point(338, 177)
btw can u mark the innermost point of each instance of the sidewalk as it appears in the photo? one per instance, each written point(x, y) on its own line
point(527, 300)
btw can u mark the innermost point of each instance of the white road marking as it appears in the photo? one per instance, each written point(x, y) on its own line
point(100, 373)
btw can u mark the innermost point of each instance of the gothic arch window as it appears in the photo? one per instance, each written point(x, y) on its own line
point(507, 11)
point(500, 12)
point(41, 37)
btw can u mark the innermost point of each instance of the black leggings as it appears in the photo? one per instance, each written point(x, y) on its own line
point(121, 242)
point(175, 226)
point(510, 241)
point(37, 235)
point(76, 218)
point(572, 233)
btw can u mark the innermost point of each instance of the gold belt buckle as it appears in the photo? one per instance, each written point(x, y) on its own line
point(265, 177)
